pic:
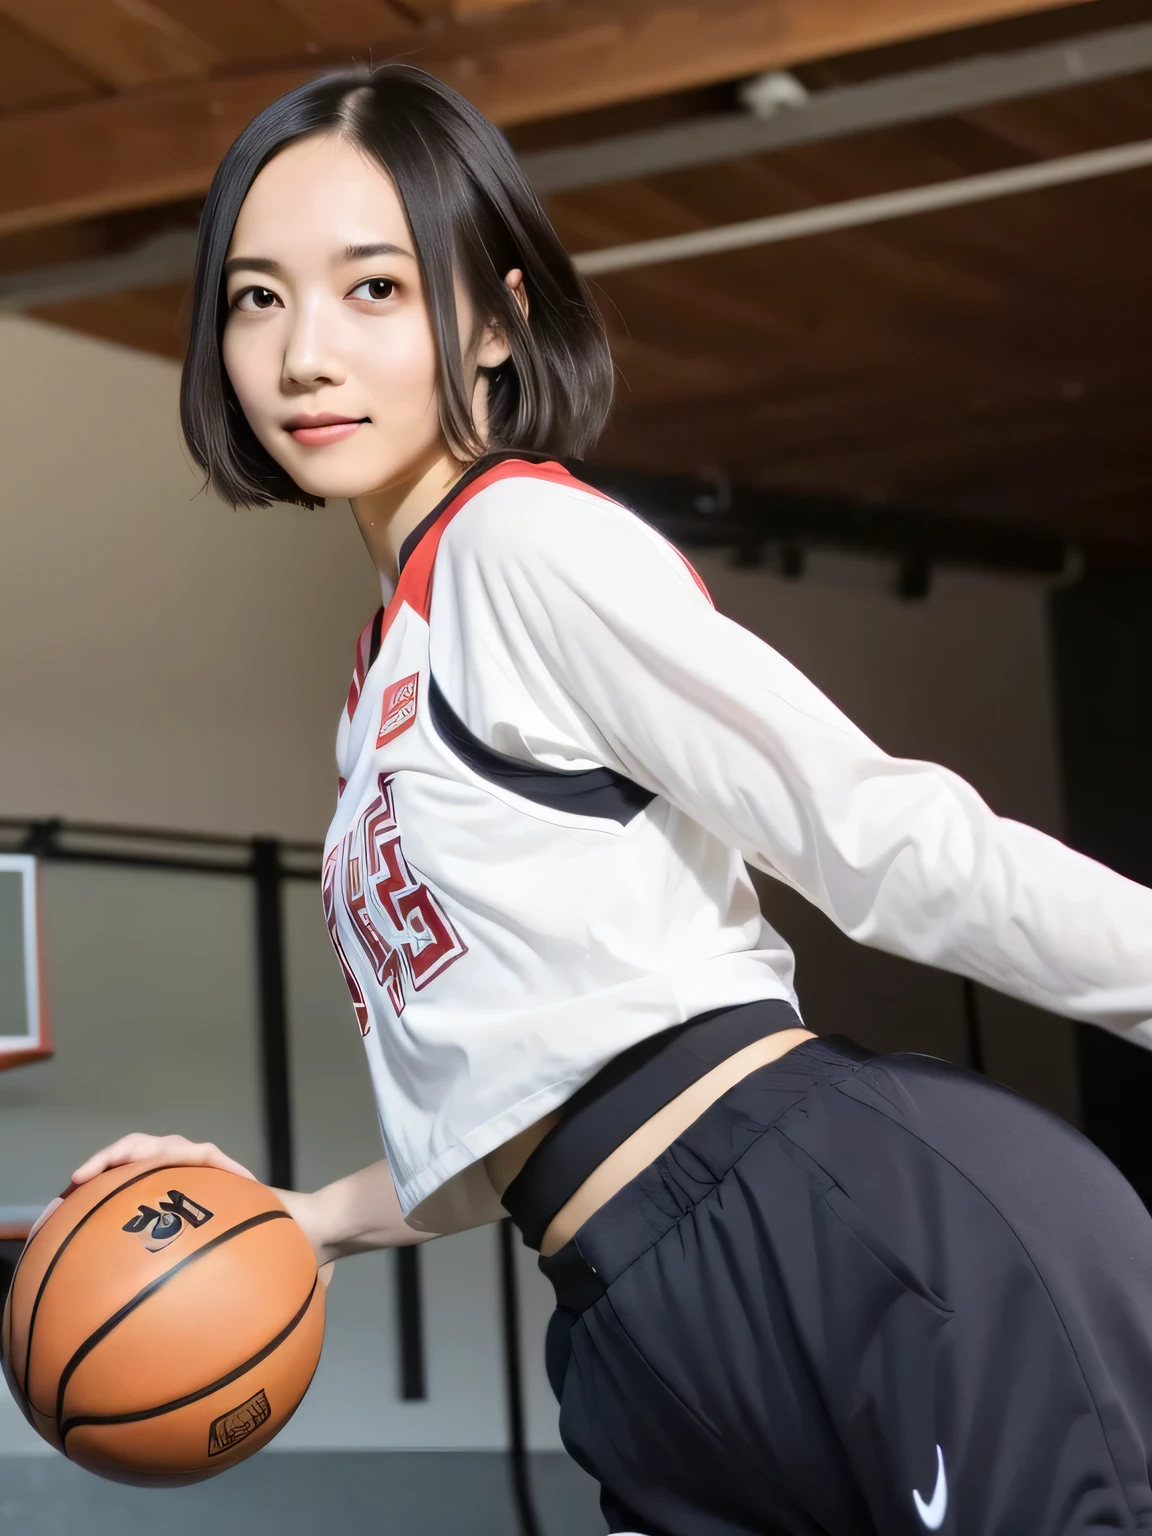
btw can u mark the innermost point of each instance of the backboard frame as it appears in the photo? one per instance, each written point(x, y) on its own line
point(36, 1044)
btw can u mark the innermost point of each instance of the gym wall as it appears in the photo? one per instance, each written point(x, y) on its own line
point(168, 662)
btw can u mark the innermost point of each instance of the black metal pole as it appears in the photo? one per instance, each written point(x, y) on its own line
point(514, 1384)
point(41, 838)
point(267, 875)
point(410, 1325)
point(973, 1040)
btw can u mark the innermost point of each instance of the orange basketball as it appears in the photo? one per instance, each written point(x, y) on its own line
point(163, 1323)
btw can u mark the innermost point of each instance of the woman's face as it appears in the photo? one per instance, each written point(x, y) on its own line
point(328, 341)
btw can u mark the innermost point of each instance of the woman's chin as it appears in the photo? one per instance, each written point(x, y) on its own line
point(332, 484)
point(340, 472)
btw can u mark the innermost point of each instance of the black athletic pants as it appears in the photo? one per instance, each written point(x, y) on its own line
point(863, 1295)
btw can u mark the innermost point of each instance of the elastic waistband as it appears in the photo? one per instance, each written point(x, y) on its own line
point(623, 1095)
point(646, 1208)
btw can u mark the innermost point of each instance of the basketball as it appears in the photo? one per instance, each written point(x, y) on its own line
point(163, 1323)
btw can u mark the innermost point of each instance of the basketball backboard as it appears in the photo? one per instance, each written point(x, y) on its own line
point(24, 1031)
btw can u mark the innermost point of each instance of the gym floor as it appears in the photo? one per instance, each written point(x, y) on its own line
point(415, 1493)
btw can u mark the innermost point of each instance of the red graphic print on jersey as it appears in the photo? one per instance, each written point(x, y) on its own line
point(399, 711)
point(328, 891)
point(404, 932)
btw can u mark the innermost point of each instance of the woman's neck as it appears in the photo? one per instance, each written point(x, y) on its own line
point(386, 517)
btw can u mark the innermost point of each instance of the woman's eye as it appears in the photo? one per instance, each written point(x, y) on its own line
point(255, 298)
point(376, 288)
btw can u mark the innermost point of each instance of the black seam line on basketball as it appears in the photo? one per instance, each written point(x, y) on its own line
point(142, 1296)
point(120, 1188)
point(194, 1397)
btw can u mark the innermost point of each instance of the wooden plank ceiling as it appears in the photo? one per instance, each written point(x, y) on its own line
point(986, 361)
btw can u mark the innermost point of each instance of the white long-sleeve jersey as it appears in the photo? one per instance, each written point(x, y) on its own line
point(556, 758)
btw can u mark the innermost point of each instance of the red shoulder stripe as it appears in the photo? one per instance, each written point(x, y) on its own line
point(560, 476)
point(415, 584)
point(695, 575)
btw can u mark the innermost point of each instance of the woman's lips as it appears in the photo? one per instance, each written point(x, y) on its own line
point(316, 436)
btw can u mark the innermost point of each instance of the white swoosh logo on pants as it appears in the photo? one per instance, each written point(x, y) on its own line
point(932, 1513)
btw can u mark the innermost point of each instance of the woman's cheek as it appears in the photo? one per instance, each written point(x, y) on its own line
point(245, 369)
point(404, 373)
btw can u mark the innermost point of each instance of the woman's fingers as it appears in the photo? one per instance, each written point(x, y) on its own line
point(129, 1149)
point(139, 1147)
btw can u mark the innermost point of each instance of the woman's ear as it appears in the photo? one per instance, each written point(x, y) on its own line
point(494, 348)
point(514, 280)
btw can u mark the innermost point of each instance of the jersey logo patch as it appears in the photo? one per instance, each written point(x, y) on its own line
point(399, 709)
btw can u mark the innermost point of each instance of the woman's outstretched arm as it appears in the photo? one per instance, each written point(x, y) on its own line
point(602, 618)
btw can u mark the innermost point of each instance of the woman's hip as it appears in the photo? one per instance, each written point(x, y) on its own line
point(847, 1267)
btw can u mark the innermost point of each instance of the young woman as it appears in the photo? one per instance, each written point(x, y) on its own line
point(800, 1288)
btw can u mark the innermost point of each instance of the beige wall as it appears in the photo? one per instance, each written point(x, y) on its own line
point(162, 658)
point(164, 661)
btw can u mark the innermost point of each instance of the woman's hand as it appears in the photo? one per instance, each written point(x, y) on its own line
point(138, 1148)
point(354, 1215)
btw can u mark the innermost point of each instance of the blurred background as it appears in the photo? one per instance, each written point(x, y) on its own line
point(876, 276)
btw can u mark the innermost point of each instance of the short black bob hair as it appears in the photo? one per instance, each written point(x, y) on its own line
point(473, 213)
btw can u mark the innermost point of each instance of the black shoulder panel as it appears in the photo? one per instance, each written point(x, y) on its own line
point(582, 791)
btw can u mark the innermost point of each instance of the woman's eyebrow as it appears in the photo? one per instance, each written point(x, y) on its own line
point(272, 268)
point(381, 248)
point(252, 264)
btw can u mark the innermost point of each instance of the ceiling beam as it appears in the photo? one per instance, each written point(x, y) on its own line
point(160, 145)
point(169, 255)
point(543, 61)
point(116, 44)
point(887, 102)
point(860, 212)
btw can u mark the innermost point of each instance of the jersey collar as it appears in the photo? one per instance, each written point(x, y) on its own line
point(473, 472)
